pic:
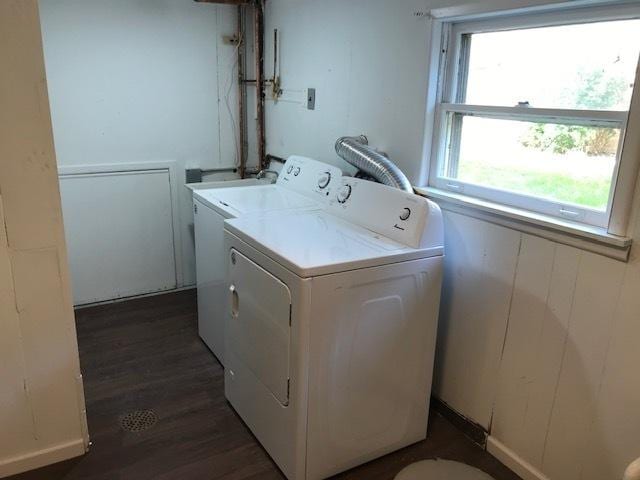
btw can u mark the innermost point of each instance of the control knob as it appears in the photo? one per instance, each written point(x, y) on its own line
point(289, 168)
point(344, 193)
point(324, 180)
point(296, 172)
point(405, 214)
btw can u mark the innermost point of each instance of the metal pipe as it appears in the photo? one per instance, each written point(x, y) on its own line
point(275, 54)
point(219, 170)
point(262, 173)
point(258, 33)
point(357, 152)
point(273, 158)
point(242, 136)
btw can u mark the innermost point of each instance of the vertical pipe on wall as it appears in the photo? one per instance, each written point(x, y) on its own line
point(259, 53)
point(242, 137)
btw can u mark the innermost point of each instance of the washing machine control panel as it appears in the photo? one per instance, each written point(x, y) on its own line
point(388, 211)
point(310, 177)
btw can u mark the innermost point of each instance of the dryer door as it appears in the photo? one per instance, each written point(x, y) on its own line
point(258, 330)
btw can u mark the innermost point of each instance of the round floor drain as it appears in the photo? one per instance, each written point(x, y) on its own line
point(138, 421)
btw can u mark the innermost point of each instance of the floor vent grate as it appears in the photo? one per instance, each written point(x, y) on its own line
point(138, 421)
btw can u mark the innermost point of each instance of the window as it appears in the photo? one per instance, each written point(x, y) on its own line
point(532, 110)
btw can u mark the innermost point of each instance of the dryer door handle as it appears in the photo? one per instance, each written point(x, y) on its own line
point(235, 301)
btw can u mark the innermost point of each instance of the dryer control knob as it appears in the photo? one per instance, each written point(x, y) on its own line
point(344, 193)
point(324, 179)
point(296, 172)
point(289, 168)
point(405, 214)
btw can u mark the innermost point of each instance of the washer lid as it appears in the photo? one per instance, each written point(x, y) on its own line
point(236, 201)
point(311, 243)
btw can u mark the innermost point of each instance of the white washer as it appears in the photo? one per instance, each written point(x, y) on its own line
point(303, 184)
point(331, 327)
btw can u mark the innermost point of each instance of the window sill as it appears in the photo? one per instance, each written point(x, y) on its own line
point(584, 237)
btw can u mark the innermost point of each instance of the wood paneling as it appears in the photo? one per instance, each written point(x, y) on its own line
point(530, 366)
point(576, 402)
point(565, 400)
point(480, 262)
point(15, 413)
point(614, 438)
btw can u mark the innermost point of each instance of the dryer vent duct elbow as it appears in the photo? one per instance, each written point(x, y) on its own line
point(357, 152)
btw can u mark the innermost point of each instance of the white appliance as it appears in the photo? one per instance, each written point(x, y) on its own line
point(331, 327)
point(303, 183)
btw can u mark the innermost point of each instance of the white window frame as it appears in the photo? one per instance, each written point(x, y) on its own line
point(446, 61)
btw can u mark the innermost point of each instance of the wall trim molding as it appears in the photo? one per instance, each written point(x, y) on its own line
point(41, 458)
point(134, 297)
point(555, 230)
point(494, 8)
point(513, 461)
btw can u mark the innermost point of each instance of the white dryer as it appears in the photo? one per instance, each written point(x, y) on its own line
point(331, 331)
point(303, 184)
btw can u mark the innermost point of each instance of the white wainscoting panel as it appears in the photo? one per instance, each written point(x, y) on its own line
point(120, 234)
point(534, 347)
point(574, 419)
point(480, 263)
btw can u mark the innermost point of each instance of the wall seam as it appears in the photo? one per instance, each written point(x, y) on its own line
point(25, 380)
point(506, 330)
point(564, 353)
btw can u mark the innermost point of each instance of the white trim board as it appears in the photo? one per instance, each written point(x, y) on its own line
point(134, 297)
point(480, 10)
point(41, 458)
point(513, 461)
point(556, 230)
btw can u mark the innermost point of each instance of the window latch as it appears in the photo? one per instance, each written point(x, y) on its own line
point(569, 213)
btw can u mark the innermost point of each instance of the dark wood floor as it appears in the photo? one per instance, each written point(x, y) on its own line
point(146, 354)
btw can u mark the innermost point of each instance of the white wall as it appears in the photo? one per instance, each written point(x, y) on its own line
point(537, 341)
point(42, 417)
point(142, 81)
point(367, 61)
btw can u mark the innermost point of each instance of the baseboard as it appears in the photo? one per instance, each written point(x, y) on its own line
point(513, 461)
point(133, 297)
point(41, 458)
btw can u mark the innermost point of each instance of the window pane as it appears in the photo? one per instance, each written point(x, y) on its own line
point(563, 163)
point(586, 66)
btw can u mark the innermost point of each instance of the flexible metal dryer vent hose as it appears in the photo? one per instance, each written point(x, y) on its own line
point(355, 151)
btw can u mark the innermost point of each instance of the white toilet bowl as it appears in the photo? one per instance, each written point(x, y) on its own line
point(441, 470)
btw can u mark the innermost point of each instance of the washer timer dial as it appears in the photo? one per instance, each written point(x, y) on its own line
point(405, 214)
point(344, 193)
point(324, 179)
